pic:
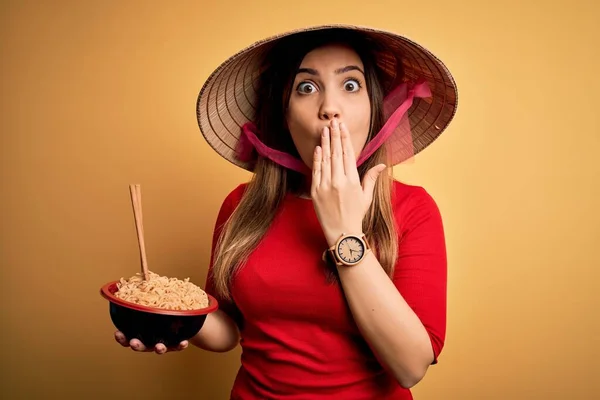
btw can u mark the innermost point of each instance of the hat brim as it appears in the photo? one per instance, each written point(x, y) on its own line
point(226, 101)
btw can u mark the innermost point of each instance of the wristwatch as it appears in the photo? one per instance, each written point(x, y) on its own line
point(349, 250)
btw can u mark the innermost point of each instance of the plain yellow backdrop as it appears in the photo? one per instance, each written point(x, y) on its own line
point(100, 94)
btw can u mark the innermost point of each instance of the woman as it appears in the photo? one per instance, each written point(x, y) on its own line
point(329, 273)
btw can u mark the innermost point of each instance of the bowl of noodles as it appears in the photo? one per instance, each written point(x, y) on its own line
point(158, 309)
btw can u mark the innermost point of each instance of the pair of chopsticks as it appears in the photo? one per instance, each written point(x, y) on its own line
point(136, 200)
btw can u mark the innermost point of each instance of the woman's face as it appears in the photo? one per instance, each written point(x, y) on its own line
point(330, 83)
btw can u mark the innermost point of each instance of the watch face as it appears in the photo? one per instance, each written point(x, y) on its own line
point(351, 250)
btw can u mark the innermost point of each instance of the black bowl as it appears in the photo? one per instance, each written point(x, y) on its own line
point(154, 325)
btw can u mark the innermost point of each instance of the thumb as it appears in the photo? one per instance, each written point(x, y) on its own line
point(370, 179)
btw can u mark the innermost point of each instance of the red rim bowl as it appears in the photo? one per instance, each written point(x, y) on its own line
point(108, 292)
point(153, 325)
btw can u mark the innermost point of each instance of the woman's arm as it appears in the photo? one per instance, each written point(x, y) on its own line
point(404, 318)
point(394, 332)
point(219, 333)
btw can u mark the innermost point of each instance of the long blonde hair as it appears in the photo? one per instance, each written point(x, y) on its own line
point(271, 182)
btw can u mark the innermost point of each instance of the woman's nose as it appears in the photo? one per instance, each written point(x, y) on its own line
point(329, 109)
point(329, 114)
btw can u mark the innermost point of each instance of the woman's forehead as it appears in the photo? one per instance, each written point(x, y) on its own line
point(331, 56)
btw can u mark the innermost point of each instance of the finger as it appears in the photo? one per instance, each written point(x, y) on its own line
point(337, 161)
point(121, 339)
point(137, 345)
point(325, 158)
point(160, 348)
point(183, 345)
point(316, 179)
point(370, 179)
point(349, 156)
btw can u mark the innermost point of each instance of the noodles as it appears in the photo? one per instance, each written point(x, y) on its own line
point(161, 292)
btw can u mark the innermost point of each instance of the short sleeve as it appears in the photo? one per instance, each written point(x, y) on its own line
point(421, 270)
point(227, 208)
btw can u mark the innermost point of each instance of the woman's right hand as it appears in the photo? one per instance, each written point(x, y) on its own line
point(137, 345)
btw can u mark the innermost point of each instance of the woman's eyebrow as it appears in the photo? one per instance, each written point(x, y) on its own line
point(313, 71)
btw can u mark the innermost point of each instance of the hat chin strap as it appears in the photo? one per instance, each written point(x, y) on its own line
point(396, 127)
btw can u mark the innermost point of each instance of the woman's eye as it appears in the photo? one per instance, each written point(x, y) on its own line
point(306, 87)
point(352, 85)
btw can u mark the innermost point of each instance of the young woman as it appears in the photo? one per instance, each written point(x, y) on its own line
point(329, 273)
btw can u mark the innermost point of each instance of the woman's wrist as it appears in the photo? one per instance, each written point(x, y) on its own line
point(332, 237)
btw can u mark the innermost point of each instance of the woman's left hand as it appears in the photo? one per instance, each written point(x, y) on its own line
point(340, 199)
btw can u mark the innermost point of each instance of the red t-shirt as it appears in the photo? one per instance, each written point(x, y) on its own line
point(299, 340)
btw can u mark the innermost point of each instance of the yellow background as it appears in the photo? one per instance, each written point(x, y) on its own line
point(98, 95)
